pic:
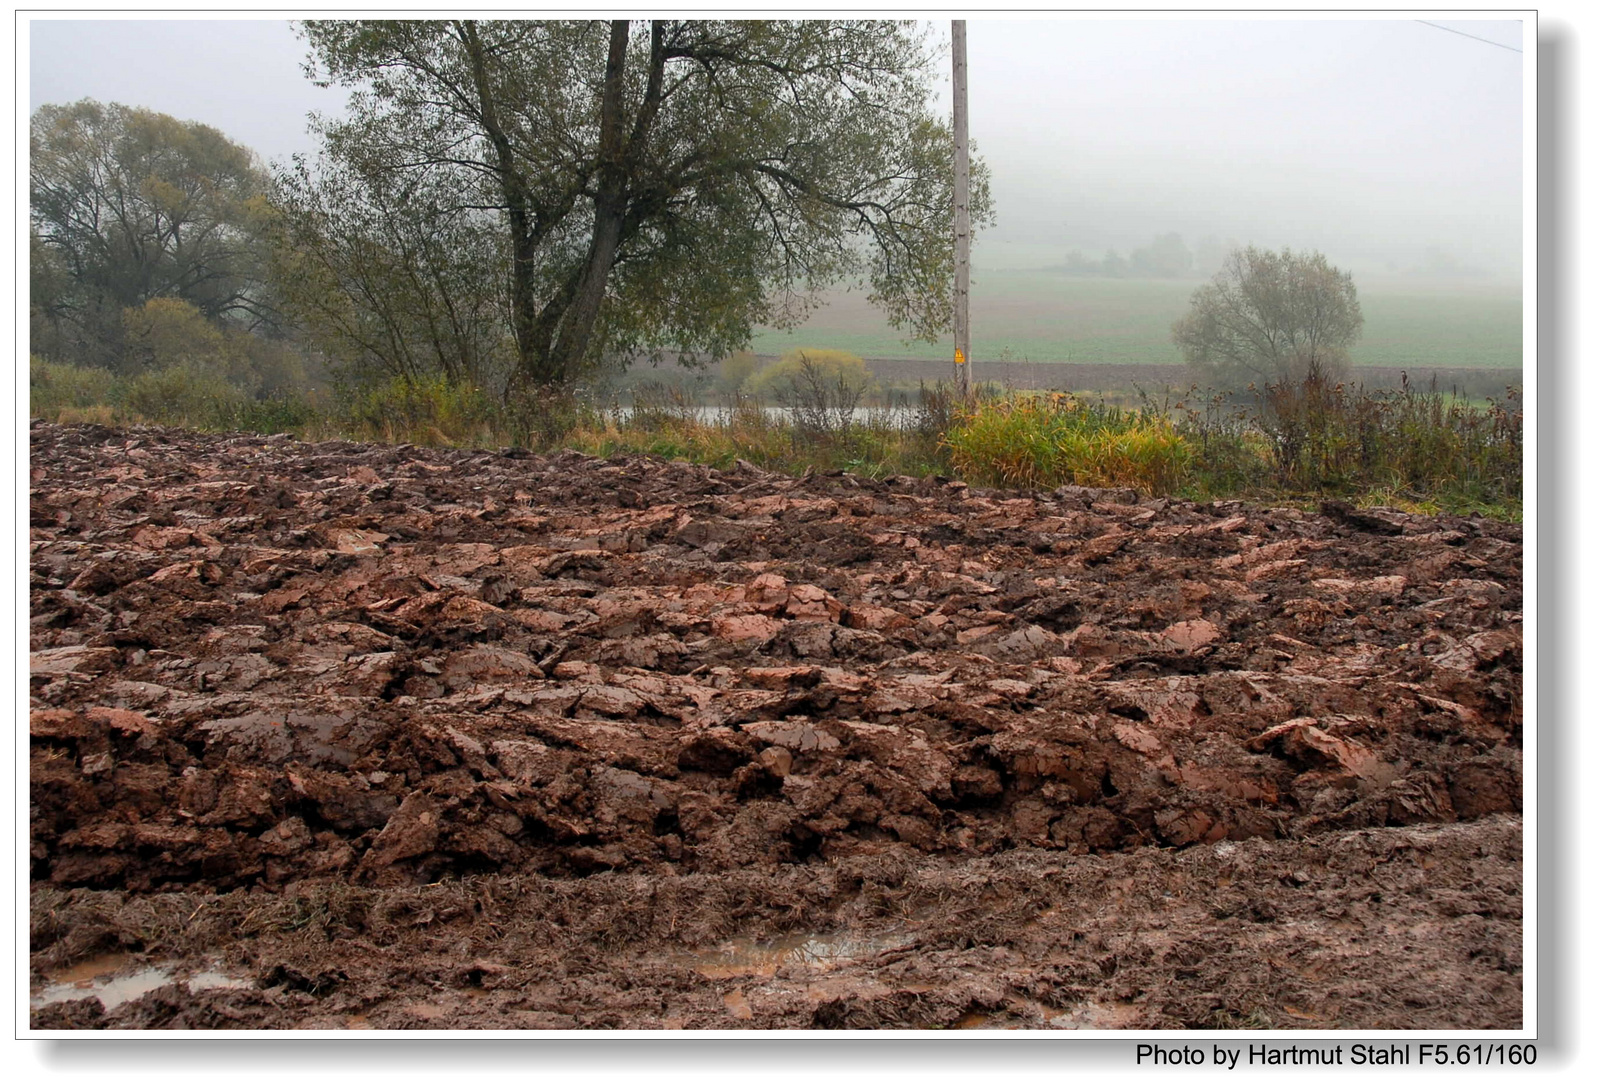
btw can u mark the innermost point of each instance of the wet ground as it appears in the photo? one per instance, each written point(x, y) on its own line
point(350, 736)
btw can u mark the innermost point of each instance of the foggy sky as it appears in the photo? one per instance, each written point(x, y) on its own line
point(1371, 140)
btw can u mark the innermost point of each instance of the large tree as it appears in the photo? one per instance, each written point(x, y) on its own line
point(657, 185)
point(1271, 317)
point(127, 205)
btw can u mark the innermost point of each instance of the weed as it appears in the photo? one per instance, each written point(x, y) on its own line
point(53, 387)
point(1040, 441)
point(1298, 442)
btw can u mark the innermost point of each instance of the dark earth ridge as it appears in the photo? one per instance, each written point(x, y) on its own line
point(346, 677)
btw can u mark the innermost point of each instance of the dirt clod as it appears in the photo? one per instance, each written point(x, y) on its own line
point(337, 694)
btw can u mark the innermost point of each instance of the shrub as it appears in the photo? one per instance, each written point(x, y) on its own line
point(1329, 437)
point(185, 395)
point(820, 388)
point(735, 371)
point(427, 411)
point(168, 332)
point(53, 387)
point(1044, 441)
point(659, 405)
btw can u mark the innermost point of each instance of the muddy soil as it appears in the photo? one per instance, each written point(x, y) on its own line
point(349, 735)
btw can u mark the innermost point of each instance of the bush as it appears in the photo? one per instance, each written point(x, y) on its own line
point(1044, 441)
point(166, 332)
point(660, 405)
point(275, 414)
point(185, 395)
point(735, 371)
point(428, 412)
point(53, 387)
point(1329, 437)
point(820, 388)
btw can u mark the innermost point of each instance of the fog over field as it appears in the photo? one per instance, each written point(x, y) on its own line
point(1390, 145)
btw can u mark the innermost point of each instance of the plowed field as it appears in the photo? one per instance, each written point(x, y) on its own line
point(338, 735)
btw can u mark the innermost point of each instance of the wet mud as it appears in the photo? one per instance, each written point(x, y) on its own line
point(416, 738)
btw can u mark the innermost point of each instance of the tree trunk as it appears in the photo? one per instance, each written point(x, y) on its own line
point(523, 245)
point(609, 211)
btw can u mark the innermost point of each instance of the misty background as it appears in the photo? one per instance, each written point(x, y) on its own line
point(1392, 146)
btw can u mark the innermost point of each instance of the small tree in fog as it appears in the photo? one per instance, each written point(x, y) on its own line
point(1271, 317)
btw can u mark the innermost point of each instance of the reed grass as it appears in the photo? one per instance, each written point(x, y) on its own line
point(1414, 448)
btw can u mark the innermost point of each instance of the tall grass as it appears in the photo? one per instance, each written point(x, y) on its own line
point(1042, 441)
point(1298, 442)
point(1329, 437)
point(426, 412)
point(182, 395)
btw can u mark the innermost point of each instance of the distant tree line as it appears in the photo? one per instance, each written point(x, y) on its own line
point(1166, 257)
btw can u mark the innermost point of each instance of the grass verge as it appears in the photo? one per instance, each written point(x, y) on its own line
point(1415, 449)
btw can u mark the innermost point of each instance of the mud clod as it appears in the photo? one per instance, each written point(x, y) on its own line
point(281, 671)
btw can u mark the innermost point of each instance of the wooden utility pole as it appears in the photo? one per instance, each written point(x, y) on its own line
point(961, 217)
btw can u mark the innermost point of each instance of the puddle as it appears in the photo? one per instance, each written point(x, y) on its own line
point(1095, 1015)
point(818, 952)
point(737, 1005)
point(1085, 1016)
point(117, 978)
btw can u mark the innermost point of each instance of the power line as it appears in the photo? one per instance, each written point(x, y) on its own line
point(1461, 33)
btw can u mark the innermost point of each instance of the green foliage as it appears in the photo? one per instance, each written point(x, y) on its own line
point(1302, 442)
point(389, 277)
point(167, 332)
point(735, 370)
point(790, 374)
point(427, 411)
point(184, 394)
point(1042, 441)
point(1270, 317)
point(820, 389)
point(127, 205)
point(55, 386)
point(1230, 455)
point(642, 187)
point(1326, 437)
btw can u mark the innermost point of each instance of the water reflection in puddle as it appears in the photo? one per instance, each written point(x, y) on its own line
point(1086, 1016)
point(754, 956)
point(116, 978)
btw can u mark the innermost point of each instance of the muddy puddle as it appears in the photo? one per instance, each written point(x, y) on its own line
point(1085, 1016)
point(820, 952)
point(117, 978)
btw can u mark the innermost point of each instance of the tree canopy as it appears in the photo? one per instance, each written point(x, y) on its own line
point(1271, 317)
point(634, 186)
point(127, 205)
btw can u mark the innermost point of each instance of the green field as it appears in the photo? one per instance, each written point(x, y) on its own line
point(1045, 317)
